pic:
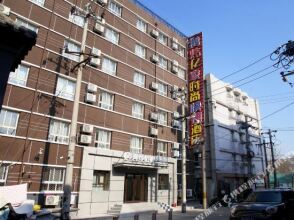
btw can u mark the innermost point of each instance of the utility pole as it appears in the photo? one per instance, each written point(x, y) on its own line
point(67, 189)
point(204, 190)
point(249, 156)
point(184, 184)
point(273, 156)
point(266, 165)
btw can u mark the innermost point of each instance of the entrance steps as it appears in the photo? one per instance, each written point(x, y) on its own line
point(115, 210)
point(139, 207)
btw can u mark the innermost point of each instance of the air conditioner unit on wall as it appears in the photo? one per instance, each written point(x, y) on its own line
point(52, 200)
point(90, 98)
point(175, 124)
point(154, 33)
point(102, 2)
point(153, 132)
point(175, 66)
point(95, 61)
point(154, 86)
point(154, 58)
point(176, 115)
point(175, 154)
point(176, 146)
point(85, 139)
point(175, 45)
point(99, 27)
point(92, 87)
point(87, 128)
point(153, 116)
point(5, 10)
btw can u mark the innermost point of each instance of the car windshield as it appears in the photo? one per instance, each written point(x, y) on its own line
point(265, 196)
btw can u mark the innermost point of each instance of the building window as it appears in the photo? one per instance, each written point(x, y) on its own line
point(8, 122)
point(181, 51)
point(53, 179)
point(136, 145)
point(140, 51)
point(71, 47)
point(229, 94)
point(139, 79)
point(102, 139)
point(39, 2)
point(106, 100)
point(109, 66)
point(3, 174)
point(138, 110)
point(237, 98)
point(162, 117)
point(162, 38)
point(115, 8)
point(26, 24)
point(141, 25)
point(19, 76)
point(112, 36)
point(77, 19)
point(161, 149)
point(101, 180)
point(65, 88)
point(181, 73)
point(163, 182)
point(162, 89)
point(162, 62)
point(59, 132)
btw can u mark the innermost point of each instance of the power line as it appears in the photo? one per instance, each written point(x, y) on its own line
point(286, 106)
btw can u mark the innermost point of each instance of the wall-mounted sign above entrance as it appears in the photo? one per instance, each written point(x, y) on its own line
point(145, 159)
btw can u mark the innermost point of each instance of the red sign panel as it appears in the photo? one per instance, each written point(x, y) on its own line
point(196, 90)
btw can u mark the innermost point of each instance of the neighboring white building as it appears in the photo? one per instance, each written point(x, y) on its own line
point(230, 145)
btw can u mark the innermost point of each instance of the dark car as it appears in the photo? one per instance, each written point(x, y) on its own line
point(265, 204)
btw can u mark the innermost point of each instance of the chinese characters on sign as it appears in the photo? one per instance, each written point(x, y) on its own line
point(196, 90)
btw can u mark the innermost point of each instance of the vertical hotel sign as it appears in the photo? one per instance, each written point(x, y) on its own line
point(196, 90)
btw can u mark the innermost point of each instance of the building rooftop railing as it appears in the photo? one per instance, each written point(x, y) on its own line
point(138, 3)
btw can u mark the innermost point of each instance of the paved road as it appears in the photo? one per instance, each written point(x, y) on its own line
point(220, 214)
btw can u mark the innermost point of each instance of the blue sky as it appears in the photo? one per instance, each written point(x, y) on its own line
point(237, 33)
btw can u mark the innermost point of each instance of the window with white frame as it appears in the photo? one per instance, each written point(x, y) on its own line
point(138, 110)
point(19, 76)
point(162, 117)
point(115, 8)
point(3, 174)
point(102, 139)
point(162, 38)
point(109, 66)
point(139, 79)
point(112, 35)
point(141, 25)
point(106, 100)
point(27, 25)
point(181, 73)
point(136, 145)
point(59, 132)
point(162, 62)
point(71, 47)
point(140, 51)
point(101, 180)
point(161, 148)
point(8, 122)
point(53, 178)
point(162, 89)
point(65, 88)
point(77, 19)
point(39, 2)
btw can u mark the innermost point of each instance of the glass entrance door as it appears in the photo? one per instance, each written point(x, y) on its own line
point(135, 188)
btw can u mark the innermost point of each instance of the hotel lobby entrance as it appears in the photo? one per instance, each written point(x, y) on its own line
point(136, 188)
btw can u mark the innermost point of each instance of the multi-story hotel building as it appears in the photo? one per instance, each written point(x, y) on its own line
point(127, 138)
point(234, 153)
